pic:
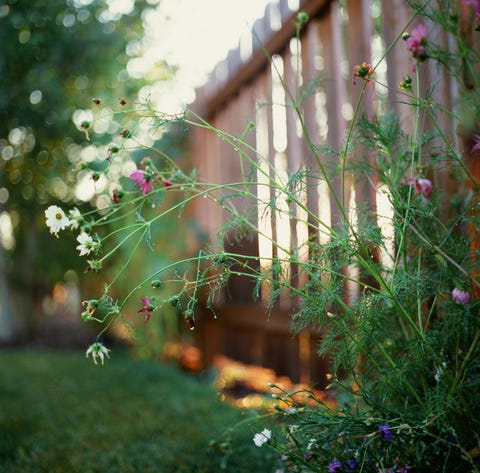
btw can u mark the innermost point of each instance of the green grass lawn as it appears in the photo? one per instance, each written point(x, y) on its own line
point(60, 413)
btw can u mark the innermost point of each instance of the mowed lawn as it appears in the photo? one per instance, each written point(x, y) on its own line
point(60, 413)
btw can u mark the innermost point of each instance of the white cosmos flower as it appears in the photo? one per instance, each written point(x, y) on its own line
point(87, 244)
point(263, 437)
point(97, 349)
point(75, 218)
point(56, 219)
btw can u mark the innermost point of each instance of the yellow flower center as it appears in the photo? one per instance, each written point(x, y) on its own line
point(58, 216)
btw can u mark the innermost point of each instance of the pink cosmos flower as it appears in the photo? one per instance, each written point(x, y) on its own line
point(416, 42)
point(143, 180)
point(461, 297)
point(476, 146)
point(422, 187)
point(147, 308)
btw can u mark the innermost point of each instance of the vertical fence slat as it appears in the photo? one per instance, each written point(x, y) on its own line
point(240, 91)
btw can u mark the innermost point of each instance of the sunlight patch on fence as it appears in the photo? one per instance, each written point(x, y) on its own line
point(385, 222)
point(264, 214)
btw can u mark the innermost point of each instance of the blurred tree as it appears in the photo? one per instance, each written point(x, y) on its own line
point(56, 56)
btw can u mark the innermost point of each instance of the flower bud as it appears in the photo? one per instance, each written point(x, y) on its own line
point(125, 133)
point(156, 283)
point(302, 17)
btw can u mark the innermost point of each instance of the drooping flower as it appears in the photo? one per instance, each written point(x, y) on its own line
point(476, 146)
point(56, 219)
point(190, 321)
point(97, 349)
point(422, 186)
point(426, 187)
point(75, 217)
point(262, 437)
point(460, 297)
point(117, 194)
point(87, 244)
point(147, 308)
point(385, 431)
point(416, 42)
point(143, 180)
point(334, 466)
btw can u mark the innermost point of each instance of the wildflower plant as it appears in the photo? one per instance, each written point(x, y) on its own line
point(405, 351)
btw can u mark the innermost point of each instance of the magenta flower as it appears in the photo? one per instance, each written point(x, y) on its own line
point(476, 146)
point(476, 5)
point(143, 180)
point(426, 187)
point(416, 42)
point(461, 297)
point(147, 308)
point(423, 187)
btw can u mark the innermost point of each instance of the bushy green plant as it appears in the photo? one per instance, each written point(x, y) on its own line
point(405, 350)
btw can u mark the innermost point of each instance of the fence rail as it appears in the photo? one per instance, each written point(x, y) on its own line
point(319, 66)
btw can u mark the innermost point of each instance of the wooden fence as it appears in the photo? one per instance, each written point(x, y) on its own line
point(335, 39)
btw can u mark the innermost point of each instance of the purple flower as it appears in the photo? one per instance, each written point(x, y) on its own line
point(334, 466)
point(461, 297)
point(384, 429)
point(351, 466)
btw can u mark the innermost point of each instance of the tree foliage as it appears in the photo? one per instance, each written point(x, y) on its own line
point(56, 56)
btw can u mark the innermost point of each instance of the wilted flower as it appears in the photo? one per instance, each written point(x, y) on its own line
point(147, 308)
point(56, 219)
point(94, 265)
point(117, 194)
point(97, 349)
point(87, 244)
point(189, 320)
point(263, 437)
point(90, 306)
point(75, 217)
point(460, 297)
point(364, 71)
point(143, 180)
point(416, 42)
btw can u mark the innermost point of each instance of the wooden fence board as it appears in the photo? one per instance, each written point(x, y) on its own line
point(335, 39)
